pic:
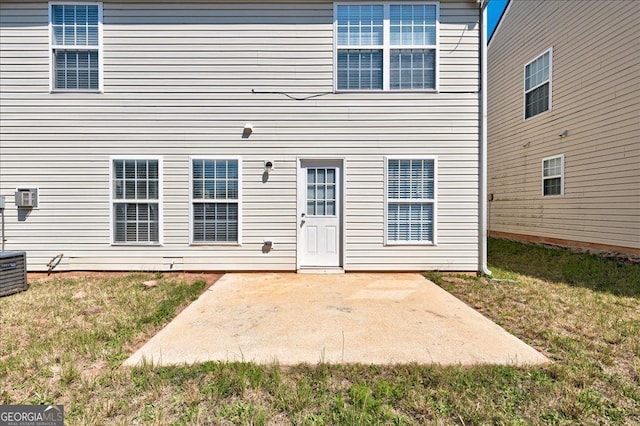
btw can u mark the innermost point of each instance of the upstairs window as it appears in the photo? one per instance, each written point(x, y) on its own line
point(382, 46)
point(76, 32)
point(537, 85)
point(553, 176)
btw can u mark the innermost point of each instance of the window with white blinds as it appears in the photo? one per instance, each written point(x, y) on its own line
point(215, 200)
point(386, 46)
point(537, 85)
point(553, 176)
point(136, 201)
point(411, 198)
point(75, 46)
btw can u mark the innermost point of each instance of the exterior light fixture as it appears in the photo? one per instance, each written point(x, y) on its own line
point(268, 166)
point(247, 130)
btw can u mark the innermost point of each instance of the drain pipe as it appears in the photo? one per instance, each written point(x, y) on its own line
point(482, 243)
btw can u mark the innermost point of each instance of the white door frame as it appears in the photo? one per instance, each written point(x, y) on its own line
point(301, 204)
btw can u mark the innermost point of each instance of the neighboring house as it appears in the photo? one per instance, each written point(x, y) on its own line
point(265, 135)
point(564, 124)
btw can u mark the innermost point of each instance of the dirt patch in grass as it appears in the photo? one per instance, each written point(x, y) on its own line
point(454, 280)
point(188, 277)
point(44, 276)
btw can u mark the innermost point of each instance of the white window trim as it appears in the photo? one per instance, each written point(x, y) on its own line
point(52, 88)
point(191, 201)
point(524, 82)
point(160, 198)
point(387, 242)
point(386, 48)
point(561, 175)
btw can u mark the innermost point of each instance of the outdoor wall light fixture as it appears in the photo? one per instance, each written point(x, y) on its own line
point(564, 134)
point(268, 166)
point(247, 130)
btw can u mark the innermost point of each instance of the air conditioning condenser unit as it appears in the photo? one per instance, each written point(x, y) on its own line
point(13, 272)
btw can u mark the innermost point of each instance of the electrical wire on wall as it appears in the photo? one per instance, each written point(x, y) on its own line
point(466, 27)
point(295, 98)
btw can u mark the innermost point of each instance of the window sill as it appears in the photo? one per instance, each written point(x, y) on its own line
point(537, 115)
point(89, 92)
point(339, 92)
point(136, 244)
point(410, 243)
point(216, 244)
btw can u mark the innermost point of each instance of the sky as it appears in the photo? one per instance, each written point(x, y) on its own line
point(495, 9)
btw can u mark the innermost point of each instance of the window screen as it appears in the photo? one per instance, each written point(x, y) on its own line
point(215, 198)
point(552, 176)
point(410, 200)
point(136, 201)
point(75, 46)
point(365, 41)
point(537, 84)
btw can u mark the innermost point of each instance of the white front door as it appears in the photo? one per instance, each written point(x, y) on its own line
point(319, 211)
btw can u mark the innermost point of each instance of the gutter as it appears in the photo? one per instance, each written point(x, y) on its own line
point(482, 216)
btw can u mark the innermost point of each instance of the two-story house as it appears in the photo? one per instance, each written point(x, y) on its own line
point(245, 135)
point(564, 124)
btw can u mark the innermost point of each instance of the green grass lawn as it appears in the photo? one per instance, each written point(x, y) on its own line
point(65, 338)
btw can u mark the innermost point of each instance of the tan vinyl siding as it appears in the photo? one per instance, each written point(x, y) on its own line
point(596, 92)
point(178, 81)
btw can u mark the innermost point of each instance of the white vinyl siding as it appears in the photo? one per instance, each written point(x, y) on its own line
point(596, 93)
point(537, 85)
point(411, 199)
point(179, 77)
point(553, 176)
point(215, 200)
point(136, 201)
point(76, 44)
point(382, 46)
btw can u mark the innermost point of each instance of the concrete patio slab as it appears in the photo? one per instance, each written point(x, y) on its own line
point(372, 318)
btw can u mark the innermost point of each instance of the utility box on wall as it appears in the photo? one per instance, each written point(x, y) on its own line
point(26, 197)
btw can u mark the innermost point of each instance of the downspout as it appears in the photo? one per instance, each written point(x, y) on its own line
point(482, 243)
